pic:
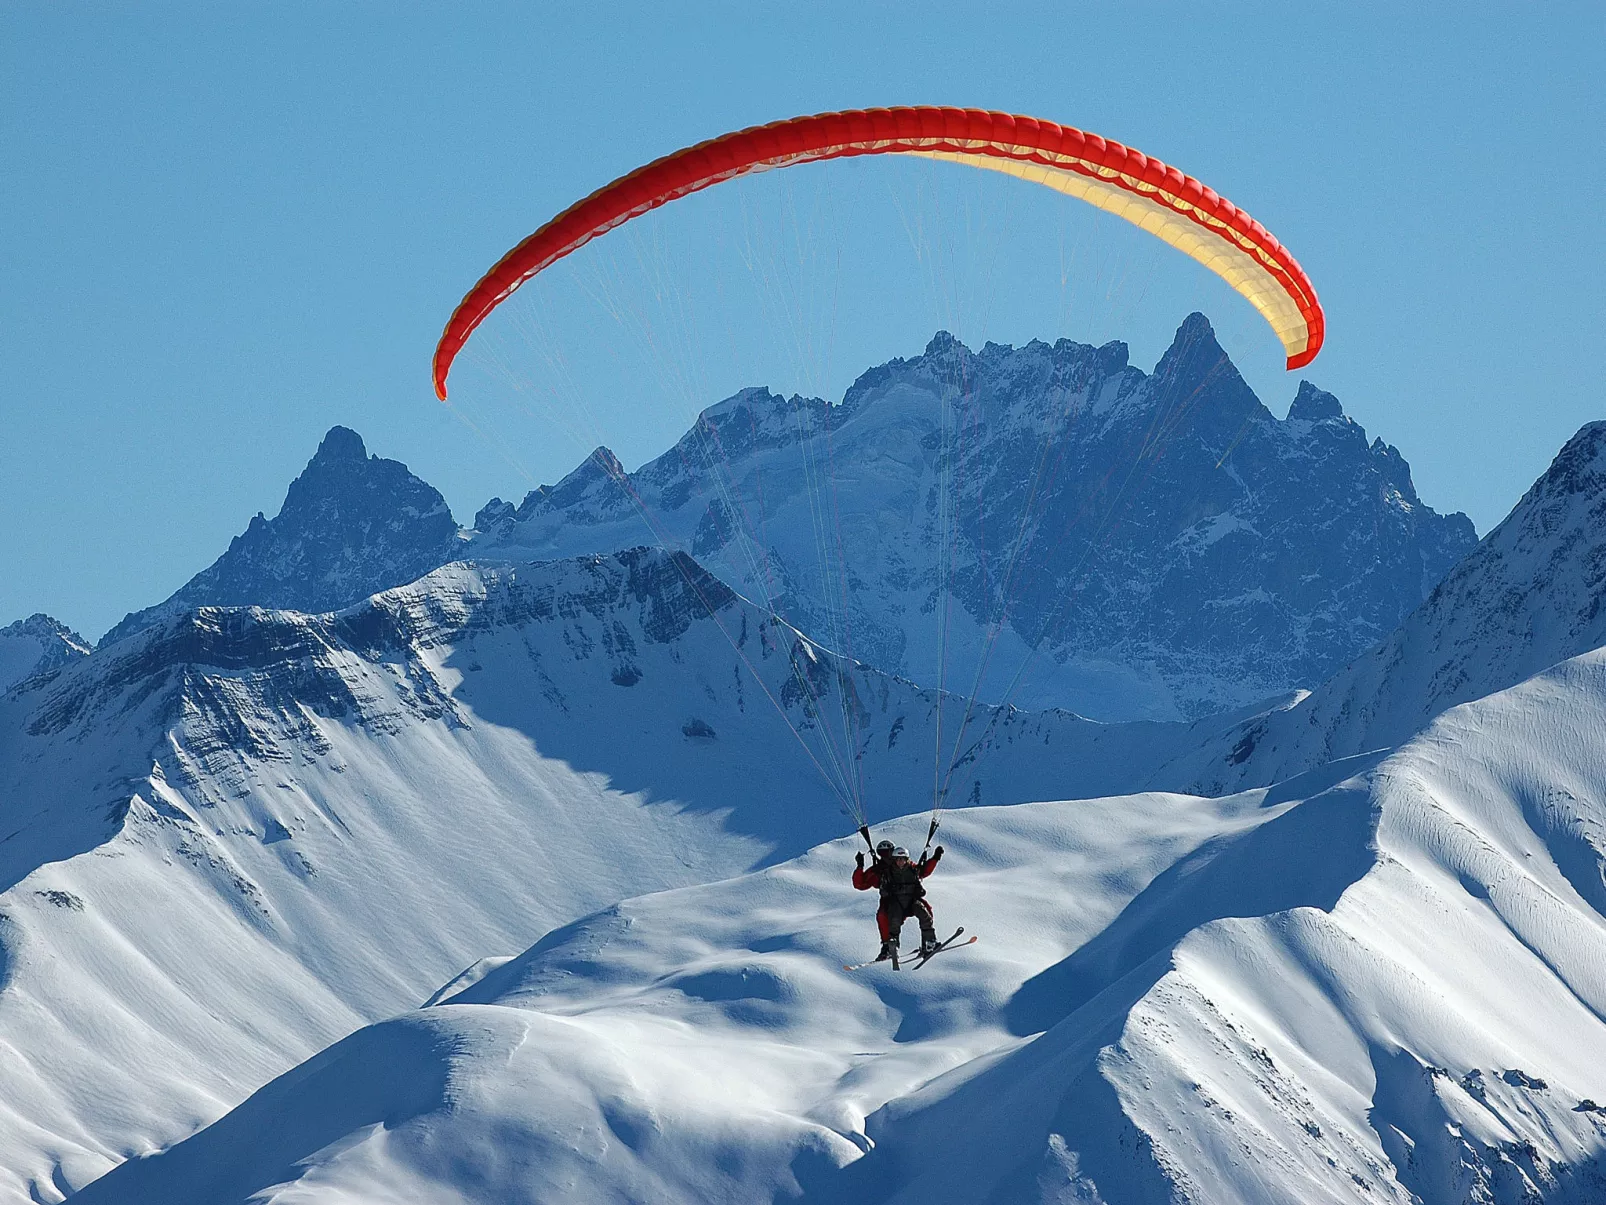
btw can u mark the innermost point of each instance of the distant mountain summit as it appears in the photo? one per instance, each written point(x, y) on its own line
point(351, 525)
point(37, 645)
point(1168, 546)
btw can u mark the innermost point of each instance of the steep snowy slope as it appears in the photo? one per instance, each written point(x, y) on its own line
point(1383, 982)
point(36, 645)
point(1531, 594)
point(351, 524)
point(1175, 548)
point(230, 839)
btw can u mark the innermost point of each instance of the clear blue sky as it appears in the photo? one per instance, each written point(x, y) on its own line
point(224, 228)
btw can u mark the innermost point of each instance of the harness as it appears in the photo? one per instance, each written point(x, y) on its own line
point(900, 884)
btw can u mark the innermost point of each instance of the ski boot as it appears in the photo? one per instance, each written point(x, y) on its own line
point(889, 949)
point(928, 944)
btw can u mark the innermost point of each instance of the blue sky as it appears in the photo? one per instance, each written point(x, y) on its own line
point(228, 227)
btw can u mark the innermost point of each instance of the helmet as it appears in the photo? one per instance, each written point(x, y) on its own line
point(885, 850)
point(900, 852)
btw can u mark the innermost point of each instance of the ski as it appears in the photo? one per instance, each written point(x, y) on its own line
point(953, 943)
point(892, 958)
point(859, 966)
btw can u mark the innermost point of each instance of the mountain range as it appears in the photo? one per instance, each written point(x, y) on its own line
point(1047, 522)
point(1046, 526)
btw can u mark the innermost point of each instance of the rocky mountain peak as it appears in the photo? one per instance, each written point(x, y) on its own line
point(1194, 351)
point(37, 645)
point(496, 513)
point(1197, 381)
point(1577, 473)
point(351, 524)
point(1313, 405)
point(340, 444)
point(1112, 357)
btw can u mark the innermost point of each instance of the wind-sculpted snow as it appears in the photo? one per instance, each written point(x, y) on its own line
point(1383, 982)
point(1169, 547)
point(1533, 593)
point(237, 835)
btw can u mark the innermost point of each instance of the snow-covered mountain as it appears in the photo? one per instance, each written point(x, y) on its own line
point(37, 645)
point(233, 837)
point(1531, 594)
point(1383, 982)
point(351, 525)
point(1174, 547)
point(1168, 547)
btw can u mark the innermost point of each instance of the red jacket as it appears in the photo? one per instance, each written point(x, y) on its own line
point(866, 878)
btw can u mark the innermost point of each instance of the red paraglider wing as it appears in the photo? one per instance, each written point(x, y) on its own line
point(1160, 199)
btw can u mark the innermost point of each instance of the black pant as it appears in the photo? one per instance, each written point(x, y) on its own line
point(894, 912)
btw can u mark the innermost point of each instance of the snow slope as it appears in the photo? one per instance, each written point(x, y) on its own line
point(234, 837)
point(1385, 981)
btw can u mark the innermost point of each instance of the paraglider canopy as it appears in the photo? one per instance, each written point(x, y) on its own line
point(1172, 206)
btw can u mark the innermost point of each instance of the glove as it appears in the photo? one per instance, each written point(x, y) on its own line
point(939, 853)
point(858, 860)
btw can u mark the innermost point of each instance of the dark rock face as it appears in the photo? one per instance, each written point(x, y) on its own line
point(1192, 530)
point(1166, 523)
point(351, 525)
point(1532, 594)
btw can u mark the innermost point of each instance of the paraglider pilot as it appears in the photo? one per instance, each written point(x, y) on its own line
point(902, 893)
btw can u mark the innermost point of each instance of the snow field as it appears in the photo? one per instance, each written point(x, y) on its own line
point(233, 840)
point(725, 1010)
point(1433, 1032)
point(1378, 983)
